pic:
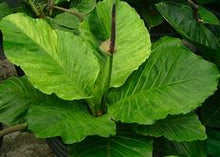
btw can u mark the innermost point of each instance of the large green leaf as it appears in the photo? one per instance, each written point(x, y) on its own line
point(132, 38)
point(16, 96)
point(181, 17)
point(70, 120)
point(124, 144)
point(175, 128)
point(55, 61)
point(181, 149)
point(172, 81)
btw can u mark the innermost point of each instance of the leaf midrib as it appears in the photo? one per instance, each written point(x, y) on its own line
point(145, 91)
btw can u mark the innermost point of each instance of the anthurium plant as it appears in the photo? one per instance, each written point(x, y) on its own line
point(103, 86)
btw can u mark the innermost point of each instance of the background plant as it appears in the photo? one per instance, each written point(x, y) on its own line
point(136, 105)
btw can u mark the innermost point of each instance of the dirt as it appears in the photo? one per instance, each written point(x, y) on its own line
point(24, 145)
point(21, 144)
point(6, 69)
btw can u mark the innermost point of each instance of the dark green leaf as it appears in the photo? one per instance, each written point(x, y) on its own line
point(182, 149)
point(213, 142)
point(125, 143)
point(148, 12)
point(210, 112)
point(207, 1)
point(181, 17)
point(5, 9)
point(207, 16)
point(216, 30)
point(152, 18)
point(175, 128)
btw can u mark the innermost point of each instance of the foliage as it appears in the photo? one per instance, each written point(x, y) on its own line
point(146, 98)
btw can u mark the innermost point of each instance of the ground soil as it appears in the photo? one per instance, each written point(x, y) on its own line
point(24, 145)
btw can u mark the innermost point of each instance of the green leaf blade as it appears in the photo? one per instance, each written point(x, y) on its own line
point(55, 61)
point(175, 128)
point(207, 16)
point(69, 120)
point(123, 144)
point(66, 20)
point(213, 142)
point(181, 149)
point(84, 6)
point(16, 96)
point(181, 18)
point(163, 85)
point(210, 111)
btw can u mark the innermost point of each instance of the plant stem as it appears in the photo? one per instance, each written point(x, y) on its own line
point(111, 51)
point(113, 31)
point(92, 110)
point(12, 129)
point(104, 99)
point(193, 5)
point(195, 8)
point(73, 12)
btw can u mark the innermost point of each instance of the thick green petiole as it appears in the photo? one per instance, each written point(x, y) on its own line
point(98, 105)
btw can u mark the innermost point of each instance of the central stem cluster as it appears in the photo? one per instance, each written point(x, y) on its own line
point(99, 108)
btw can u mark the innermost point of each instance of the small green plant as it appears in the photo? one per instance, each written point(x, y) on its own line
point(106, 90)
